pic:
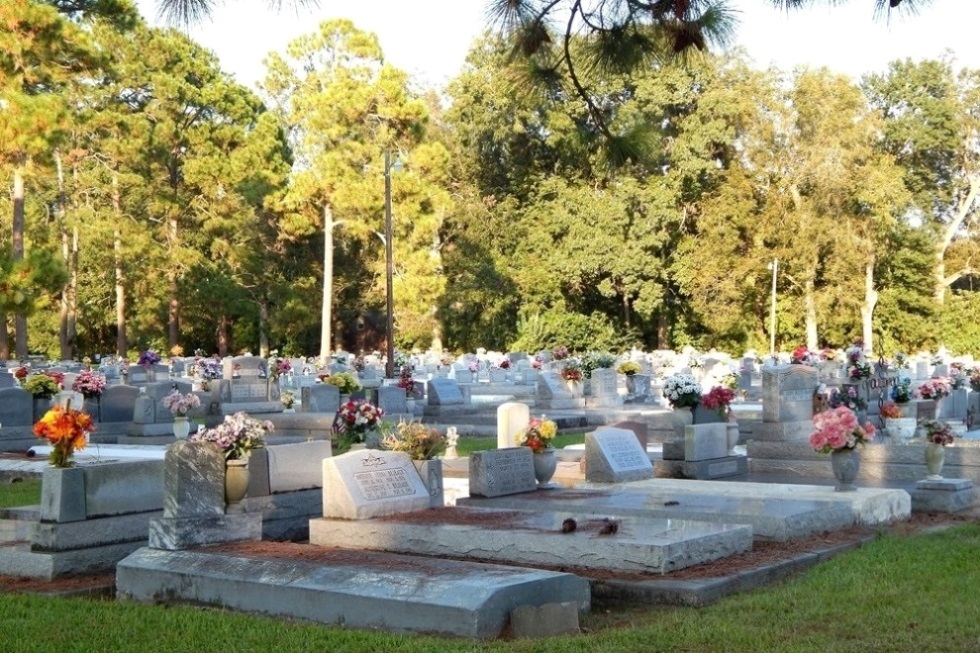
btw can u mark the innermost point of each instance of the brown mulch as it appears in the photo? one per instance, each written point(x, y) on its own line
point(762, 554)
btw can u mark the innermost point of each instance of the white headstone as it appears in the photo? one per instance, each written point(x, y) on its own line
point(615, 456)
point(511, 418)
point(371, 483)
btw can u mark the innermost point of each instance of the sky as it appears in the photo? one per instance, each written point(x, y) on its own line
point(430, 38)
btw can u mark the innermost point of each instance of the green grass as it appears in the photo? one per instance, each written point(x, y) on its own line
point(895, 594)
point(467, 445)
point(21, 493)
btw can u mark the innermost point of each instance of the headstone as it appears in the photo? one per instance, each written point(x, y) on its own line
point(444, 392)
point(788, 393)
point(639, 429)
point(512, 416)
point(553, 393)
point(244, 367)
point(921, 370)
point(7, 381)
point(391, 399)
point(16, 407)
point(638, 388)
point(157, 392)
point(137, 375)
point(368, 483)
point(193, 481)
point(118, 402)
point(604, 387)
point(498, 375)
point(320, 398)
point(614, 456)
point(705, 441)
point(502, 471)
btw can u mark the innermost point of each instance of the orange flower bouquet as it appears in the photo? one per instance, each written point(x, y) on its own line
point(65, 428)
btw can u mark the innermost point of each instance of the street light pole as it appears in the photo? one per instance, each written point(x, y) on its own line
point(389, 273)
point(774, 266)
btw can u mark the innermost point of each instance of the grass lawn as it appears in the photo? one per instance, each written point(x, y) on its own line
point(898, 593)
point(22, 493)
point(467, 445)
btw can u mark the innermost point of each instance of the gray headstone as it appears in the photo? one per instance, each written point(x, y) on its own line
point(705, 441)
point(552, 386)
point(244, 367)
point(502, 471)
point(118, 402)
point(321, 398)
point(604, 387)
point(391, 399)
point(614, 456)
point(444, 392)
point(787, 393)
point(193, 481)
point(16, 407)
point(137, 375)
point(157, 392)
point(7, 381)
point(639, 429)
point(369, 483)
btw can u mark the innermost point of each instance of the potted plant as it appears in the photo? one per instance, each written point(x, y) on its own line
point(208, 370)
point(288, 399)
point(858, 366)
point(683, 393)
point(346, 383)
point(422, 444)
point(838, 433)
point(89, 384)
point(898, 426)
point(237, 436)
point(717, 400)
point(148, 357)
point(938, 435)
point(537, 435)
point(355, 424)
point(179, 405)
point(571, 371)
point(66, 429)
point(43, 386)
point(934, 389)
point(629, 368)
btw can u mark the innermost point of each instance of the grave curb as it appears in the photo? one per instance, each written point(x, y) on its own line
point(704, 591)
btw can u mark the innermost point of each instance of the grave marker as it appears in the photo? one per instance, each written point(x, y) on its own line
point(367, 483)
point(502, 471)
point(614, 455)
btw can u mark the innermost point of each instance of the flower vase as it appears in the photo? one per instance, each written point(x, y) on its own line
point(845, 464)
point(935, 457)
point(733, 435)
point(545, 464)
point(236, 481)
point(901, 429)
point(431, 473)
point(682, 417)
point(182, 427)
point(630, 384)
point(93, 406)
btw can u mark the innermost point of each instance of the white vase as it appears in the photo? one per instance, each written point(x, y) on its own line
point(732, 437)
point(182, 427)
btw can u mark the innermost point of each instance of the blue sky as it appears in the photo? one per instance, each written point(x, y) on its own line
point(430, 38)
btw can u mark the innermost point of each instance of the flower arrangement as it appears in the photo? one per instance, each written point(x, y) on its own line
point(357, 417)
point(682, 390)
point(180, 404)
point(148, 357)
point(344, 381)
point(41, 385)
point(629, 368)
point(838, 430)
point(237, 436)
point(407, 383)
point(901, 361)
point(209, 369)
point(417, 440)
point(957, 376)
point(537, 435)
point(729, 380)
point(65, 428)
point(21, 373)
point(278, 367)
point(848, 398)
point(559, 353)
point(572, 371)
point(718, 398)
point(536, 363)
point(474, 366)
point(89, 384)
point(828, 355)
point(446, 359)
point(937, 432)
point(858, 366)
point(933, 389)
point(287, 398)
point(504, 364)
point(803, 356)
point(975, 379)
point(902, 392)
point(890, 410)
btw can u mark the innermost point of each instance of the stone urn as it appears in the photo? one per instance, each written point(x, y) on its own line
point(845, 464)
point(236, 481)
point(935, 457)
point(545, 464)
point(182, 427)
point(682, 417)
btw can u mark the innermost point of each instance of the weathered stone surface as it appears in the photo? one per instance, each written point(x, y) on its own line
point(787, 393)
point(16, 407)
point(367, 483)
point(444, 392)
point(193, 481)
point(419, 595)
point(320, 398)
point(504, 471)
point(188, 533)
point(48, 536)
point(295, 466)
point(705, 441)
point(548, 620)
point(614, 456)
point(63, 494)
point(945, 495)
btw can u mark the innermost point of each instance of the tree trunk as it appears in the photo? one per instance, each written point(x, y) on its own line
point(963, 211)
point(810, 303)
point(264, 328)
point(66, 257)
point(17, 233)
point(121, 345)
point(868, 308)
point(627, 317)
point(173, 311)
point(4, 341)
point(326, 312)
point(661, 329)
point(221, 335)
point(73, 295)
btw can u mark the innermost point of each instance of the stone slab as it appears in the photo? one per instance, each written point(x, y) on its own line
point(548, 620)
point(187, 533)
point(19, 560)
point(50, 536)
point(614, 455)
point(945, 484)
point(445, 597)
point(705, 441)
point(537, 538)
point(501, 472)
point(944, 495)
point(702, 470)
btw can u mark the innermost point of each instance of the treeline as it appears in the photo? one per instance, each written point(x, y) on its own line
point(157, 203)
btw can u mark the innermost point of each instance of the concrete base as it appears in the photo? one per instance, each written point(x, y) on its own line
point(946, 495)
point(286, 516)
point(187, 533)
point(378, 591)
point(536, 538)
point(251, 407)
point(702, 470)
point(784, 431)
point(19, 560)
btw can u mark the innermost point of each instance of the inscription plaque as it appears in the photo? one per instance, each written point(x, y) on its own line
point(384, 484)
point(614, 455)
point(503, 471)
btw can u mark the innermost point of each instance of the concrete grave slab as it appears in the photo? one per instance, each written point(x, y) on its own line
point(537, 538)
point(358, 590)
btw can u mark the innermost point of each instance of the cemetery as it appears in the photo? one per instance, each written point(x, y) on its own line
point(655, 488)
